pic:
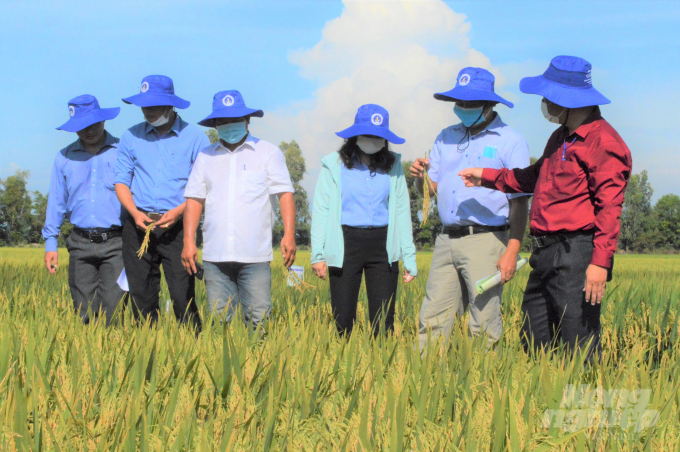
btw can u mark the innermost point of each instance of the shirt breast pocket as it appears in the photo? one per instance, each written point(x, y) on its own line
point(567, 178)
point(253, 184)
point(488, 162)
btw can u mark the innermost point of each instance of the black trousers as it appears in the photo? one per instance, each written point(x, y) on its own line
point(554, 304)
point(144, 275)
point(365, 251)
point(93, 272)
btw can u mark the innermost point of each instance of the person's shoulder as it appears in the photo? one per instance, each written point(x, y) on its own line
point(209, 150)
point(70, 148)
point(136, 131)
point(331, 159)
point(511, 136)
point(448, 133)
point(397, 156)
point(609, 137)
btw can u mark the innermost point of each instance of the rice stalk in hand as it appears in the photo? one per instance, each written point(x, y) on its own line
point(426, 197)
point(145, 242)
point(298, 283)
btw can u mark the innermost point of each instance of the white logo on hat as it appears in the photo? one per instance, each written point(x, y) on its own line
point(589, 78)
point(145, 87)
point(71, 110)
point(464, 79)
point(228, 100)
point(376, 119)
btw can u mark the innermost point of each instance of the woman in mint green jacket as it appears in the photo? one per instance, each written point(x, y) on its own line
point(361, 221)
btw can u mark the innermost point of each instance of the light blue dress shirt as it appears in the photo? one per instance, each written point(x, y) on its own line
point(81, 189)
point(156, 168)
point(497, 146)
point(365, 197)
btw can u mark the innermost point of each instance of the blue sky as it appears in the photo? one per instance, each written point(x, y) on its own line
point(310, 64)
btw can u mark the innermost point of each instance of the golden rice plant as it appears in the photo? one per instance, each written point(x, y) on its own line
point(69, 386)
point(145, 242)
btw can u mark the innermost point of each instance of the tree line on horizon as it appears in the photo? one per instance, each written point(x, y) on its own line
point(645, 227)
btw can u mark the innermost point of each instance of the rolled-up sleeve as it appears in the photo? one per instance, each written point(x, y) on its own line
point(125, 165)
point(608, 173)
point(56, 206)
point(278, 178)
point(196, 186)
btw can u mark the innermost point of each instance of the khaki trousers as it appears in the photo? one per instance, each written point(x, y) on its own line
point(456, 265)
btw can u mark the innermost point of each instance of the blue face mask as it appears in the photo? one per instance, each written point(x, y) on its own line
point(233, 132)
point(469, 116)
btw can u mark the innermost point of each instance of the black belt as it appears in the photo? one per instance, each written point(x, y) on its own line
point(551, 239)
point(455, 232)
point(98, 235)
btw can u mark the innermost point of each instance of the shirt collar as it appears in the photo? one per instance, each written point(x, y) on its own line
point(492, 127)
point(177, 126)
point(589, 123)
point(108, 142)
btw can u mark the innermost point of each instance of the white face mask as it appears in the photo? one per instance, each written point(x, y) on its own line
point(548, 116)
point(160, 121)
point(370, 145)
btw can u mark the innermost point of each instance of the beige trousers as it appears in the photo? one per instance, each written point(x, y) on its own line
point(456, 265)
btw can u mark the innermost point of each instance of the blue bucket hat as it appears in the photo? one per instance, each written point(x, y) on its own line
point(474, 83)
point(157, 90)
point(567, 82)
point(371, 119)
point(85, 111)
point(229, 104)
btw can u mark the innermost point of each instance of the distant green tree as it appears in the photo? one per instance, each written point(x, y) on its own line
point(15, 209)
point(636, 216)
point(297, 168)
point(212, 135)
point(37, 218)
point(667, 219)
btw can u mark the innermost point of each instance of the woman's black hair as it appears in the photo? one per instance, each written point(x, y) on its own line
point(382, 160)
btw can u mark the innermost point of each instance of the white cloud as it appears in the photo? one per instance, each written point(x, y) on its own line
point(393, 53)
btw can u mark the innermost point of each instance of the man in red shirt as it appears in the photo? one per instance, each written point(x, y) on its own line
point(578, 186)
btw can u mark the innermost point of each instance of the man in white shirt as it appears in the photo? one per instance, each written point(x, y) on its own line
point(236, 180)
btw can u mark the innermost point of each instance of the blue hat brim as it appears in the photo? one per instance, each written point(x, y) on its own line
point(78, 124)
point(156, 100)
point(461, 93)
point(562, 95)
point(230, 112)
point(363, 129)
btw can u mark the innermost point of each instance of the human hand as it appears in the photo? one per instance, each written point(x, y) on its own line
point(472, 176)
point(288, 250)
point(170, 217)
point(141, 220)
point(189, 256)
point(507, 265)
point(407, 277)
point(419, 167)
point(596, 281)
point(51, 261)
point(320, 269)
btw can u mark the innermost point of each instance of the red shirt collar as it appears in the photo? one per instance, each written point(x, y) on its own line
point(588, 124)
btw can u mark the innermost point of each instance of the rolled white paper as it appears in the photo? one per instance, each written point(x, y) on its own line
point(492, 281)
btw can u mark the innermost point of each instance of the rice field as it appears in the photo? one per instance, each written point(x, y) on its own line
point(70, 387)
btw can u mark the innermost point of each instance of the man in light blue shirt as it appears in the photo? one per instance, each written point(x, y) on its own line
point(483, 228)
point(81, 189)
point(155, 159)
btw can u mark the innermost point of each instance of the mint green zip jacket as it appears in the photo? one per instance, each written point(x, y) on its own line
point(327, 239)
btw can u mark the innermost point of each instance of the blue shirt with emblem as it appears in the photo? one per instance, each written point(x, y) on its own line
point(365, 196)
point(81, 189)
point(156, 168)
point(497, 146)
